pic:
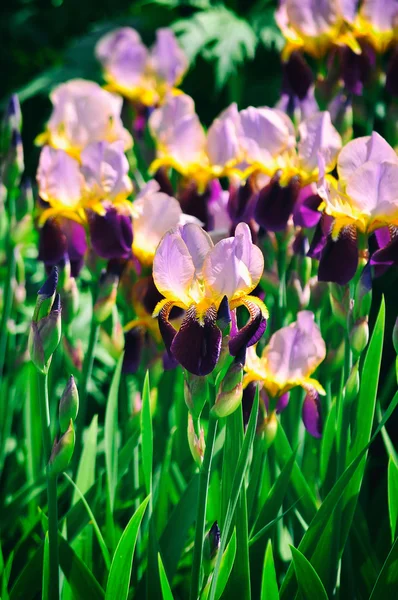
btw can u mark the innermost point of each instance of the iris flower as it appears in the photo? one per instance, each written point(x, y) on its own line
point(288, 360)
point(70, 188)
point(183, 145)
point(84, 113)
point(154, 213)
point(136, 73)
point(377, 23)
point(200, 277)
point(362, 200)
point(314, 27)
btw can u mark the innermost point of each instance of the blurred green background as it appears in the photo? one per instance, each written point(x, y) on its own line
point(233, 48)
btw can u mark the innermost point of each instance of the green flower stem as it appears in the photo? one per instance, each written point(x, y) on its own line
point(7, 306)
point(52, 497)
point(201, 514)
point(83, 389)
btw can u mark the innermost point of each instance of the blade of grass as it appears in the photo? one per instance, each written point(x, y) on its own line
point(122, 562)
point(386, 585)
point(237, 482)
point(269, 584)
point(164, 582)
point(309, 584)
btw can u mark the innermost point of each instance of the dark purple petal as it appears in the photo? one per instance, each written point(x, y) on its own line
point(356, 69)
point(111, 234)
point(312, 418)
point(320, 237)
point(151, 296)
point(133, 341)
point(197, 345)
point(169, 362)
point(241, 202)
point(251, 332)
point(276, 203)
point(50, 285)
point(339, 259)
point(223, 314)
point(306, 213)
point(297, 75)
point(392, 74)
point(76, 238)
point(281, 404)
point(166, 329)
point(164, 182)
point(247, 401)
point(193, 203)
point(388, 248)
point(53, 245)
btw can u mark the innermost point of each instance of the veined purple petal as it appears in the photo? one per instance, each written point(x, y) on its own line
point(111, 234)
point(297, 75)
point(166, 329)
point(197, 346)
point(251, 332)
point(339, 260)
point(320, 237)
point(388, 248)
point(63, 239)
point(312, 417)
point(306, 213)
point(276, 203)
point(133, 341)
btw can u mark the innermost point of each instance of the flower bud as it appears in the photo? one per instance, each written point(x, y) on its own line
point(230, 391)
point(62, 452)
point(211, 546)
point(106, 296)
point(352, 385)
point(195, 393)
point(11, 144)
point(269, 428)
point(359, 336)
point(196, 443)
point(73, 352)
point(363, 294)
point(46, 296)
point(45, 332)
point(68, 405)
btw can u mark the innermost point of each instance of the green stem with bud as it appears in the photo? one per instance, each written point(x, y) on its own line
point(52, 497)
point(204, 478)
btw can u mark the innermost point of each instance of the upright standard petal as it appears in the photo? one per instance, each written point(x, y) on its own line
point(154, 213)
point(198, 243)
point(105, 169)
point(83, 113)
point(295, 351)
point(173, 268)
point(59, 179)
point(363, 149)
point(234, 266)
point(317, 134)
point(168, 60)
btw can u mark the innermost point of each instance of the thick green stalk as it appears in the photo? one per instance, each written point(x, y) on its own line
point(53, 591)
point(204, 478)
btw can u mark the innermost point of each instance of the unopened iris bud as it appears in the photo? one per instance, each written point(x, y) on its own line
point(230, 392)
point(195, 393)
point(359, 336)
point(269, 428)
point(46, 296)
point(340, 303)
point(211, 547)
point(45, 333)
point(352, 385)
point(106, 296)
point(196, 441)
point(395, 336)
point(68, 405)
point(62, 452)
